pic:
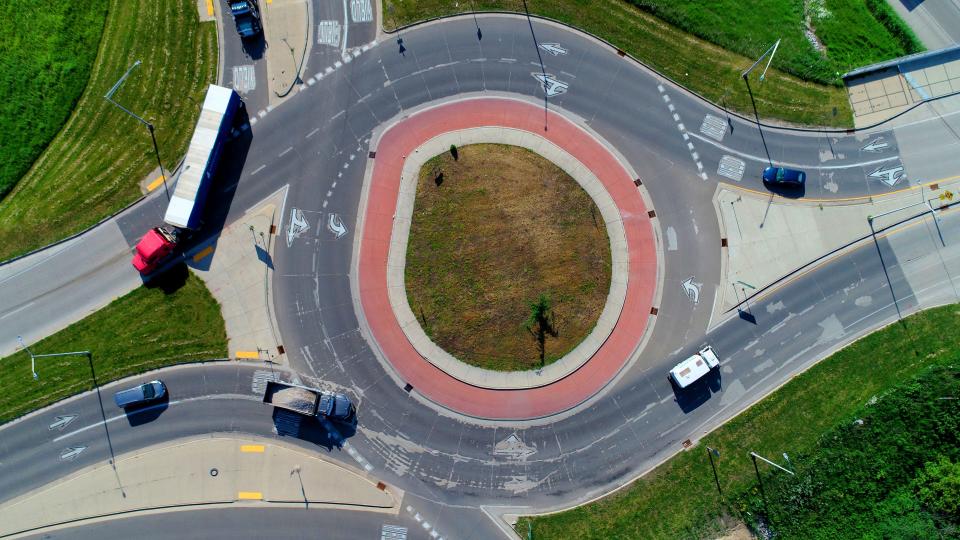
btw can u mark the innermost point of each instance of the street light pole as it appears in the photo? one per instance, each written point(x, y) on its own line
point(710, 454)
point(156, 150)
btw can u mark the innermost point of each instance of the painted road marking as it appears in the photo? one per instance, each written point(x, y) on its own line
point(298, 224)
point(252, 448)
point(210, 8)
point(328, 33)
point(875, 145)
point(71, 453)
point(203, 254)
point(692, 290)
point(250, 496)
point(550, 84)
point(155, 184)
point(244, 78)
point(61, 422)
point(732, 168)
point(713, 127)
point(260, 378)
point(671, 239)
point(553, 48)
point(361, 11)
point(888, 175)
point(335, 224)
point(393, 532)
point(248, 354)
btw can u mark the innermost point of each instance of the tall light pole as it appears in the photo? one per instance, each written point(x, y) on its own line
point(710, 453)
point(109, 97)
point(33, 357)
point(746, 79)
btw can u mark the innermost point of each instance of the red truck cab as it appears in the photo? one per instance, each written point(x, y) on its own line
point(153, 248)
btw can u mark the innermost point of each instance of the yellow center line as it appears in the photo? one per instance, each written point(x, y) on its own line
point(210, 8)
point(250, 496)
point(248, 354)
point(206, 251)
point(155, 184)
point(252, 448)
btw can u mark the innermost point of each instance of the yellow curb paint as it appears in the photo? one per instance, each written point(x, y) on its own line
point(252, 448)
point(210, 8)
point(843, 199)
point(206, 251)
point(250, 496)
point(248, 354)
point(155, 184)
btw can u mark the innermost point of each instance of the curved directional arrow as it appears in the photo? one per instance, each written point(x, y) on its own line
point(298, 224)
point(336, 226)
point(61, 422)
point(551, 85)
point(692, 290)
point(888, 175)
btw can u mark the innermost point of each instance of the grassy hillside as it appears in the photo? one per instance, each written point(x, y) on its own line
point(93, 166)
point(46, 54)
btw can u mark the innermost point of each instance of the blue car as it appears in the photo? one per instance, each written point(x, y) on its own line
point(782, 175)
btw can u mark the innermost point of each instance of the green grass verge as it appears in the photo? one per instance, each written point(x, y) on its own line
point(678, 499)
point(94, 165)
point(144, 330)
point(802, 88)
point(46, 54)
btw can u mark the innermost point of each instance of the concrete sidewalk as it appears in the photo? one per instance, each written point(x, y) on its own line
point(237, 267)
point(769, 237)
point(207, 471)
point(286, 28)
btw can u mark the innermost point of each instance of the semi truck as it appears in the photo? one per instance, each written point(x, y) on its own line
point(246, 15)
point(309, 401)
point(185, 209)
point(692, 369)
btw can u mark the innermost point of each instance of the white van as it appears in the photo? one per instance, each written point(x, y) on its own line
point(691, 369)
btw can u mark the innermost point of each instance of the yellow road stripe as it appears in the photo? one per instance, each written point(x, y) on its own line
point(250, 496)
point(248, 354)
point(206, 251)
point(252, 448)
point(210, 8)
point(155, 184)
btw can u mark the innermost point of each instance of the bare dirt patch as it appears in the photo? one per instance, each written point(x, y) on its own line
point(494, 228)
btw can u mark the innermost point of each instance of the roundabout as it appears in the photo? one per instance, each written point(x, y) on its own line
point(404, 346)
point(461, 447)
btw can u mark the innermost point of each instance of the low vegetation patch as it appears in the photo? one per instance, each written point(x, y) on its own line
point(46, 54)
point(508, 262)
point(706, 45)
point(146, 329)
point(95, 163)
point(679, 498)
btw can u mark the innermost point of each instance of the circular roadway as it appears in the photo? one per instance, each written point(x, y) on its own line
point(451, 465)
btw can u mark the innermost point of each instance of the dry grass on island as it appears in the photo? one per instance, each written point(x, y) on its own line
point(495, 229)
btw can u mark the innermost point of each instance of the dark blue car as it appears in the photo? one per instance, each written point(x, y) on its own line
point(782, 175)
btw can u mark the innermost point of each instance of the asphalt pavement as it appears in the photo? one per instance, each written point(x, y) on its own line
point(317, 143)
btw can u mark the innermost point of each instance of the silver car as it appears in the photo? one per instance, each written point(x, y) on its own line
point(145, 393)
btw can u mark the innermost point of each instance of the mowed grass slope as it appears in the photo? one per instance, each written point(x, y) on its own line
point(706, 45)
point(46, 54)
point(93, 166)
point(144, 330)
point(679, 499)
point(503, 227)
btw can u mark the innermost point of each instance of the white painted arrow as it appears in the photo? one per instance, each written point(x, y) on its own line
point(61, 422)
point(298, 224)
point(553, 48)
point(888, 176)
point(875, 145)
point(550, 84)
point(692, 290)
point(336, 226)
point(71, 453)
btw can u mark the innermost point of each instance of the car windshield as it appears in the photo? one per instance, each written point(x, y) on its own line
point(781, 173)
point(148, 392)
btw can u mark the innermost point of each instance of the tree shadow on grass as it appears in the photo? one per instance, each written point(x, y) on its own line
point(541, 324)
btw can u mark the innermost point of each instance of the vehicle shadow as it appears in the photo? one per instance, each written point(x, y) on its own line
point(317, 431)
point(170, 280)
point(138, 415)
point(786, 191)
point(698, 393)
point(255, 46)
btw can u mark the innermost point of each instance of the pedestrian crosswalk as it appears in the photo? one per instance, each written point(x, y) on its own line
point(260, 378)
point(731, 168)
point(286, 423)
point(361, 11)
point(393, 532)
point(244, 78)
point(328, 33)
